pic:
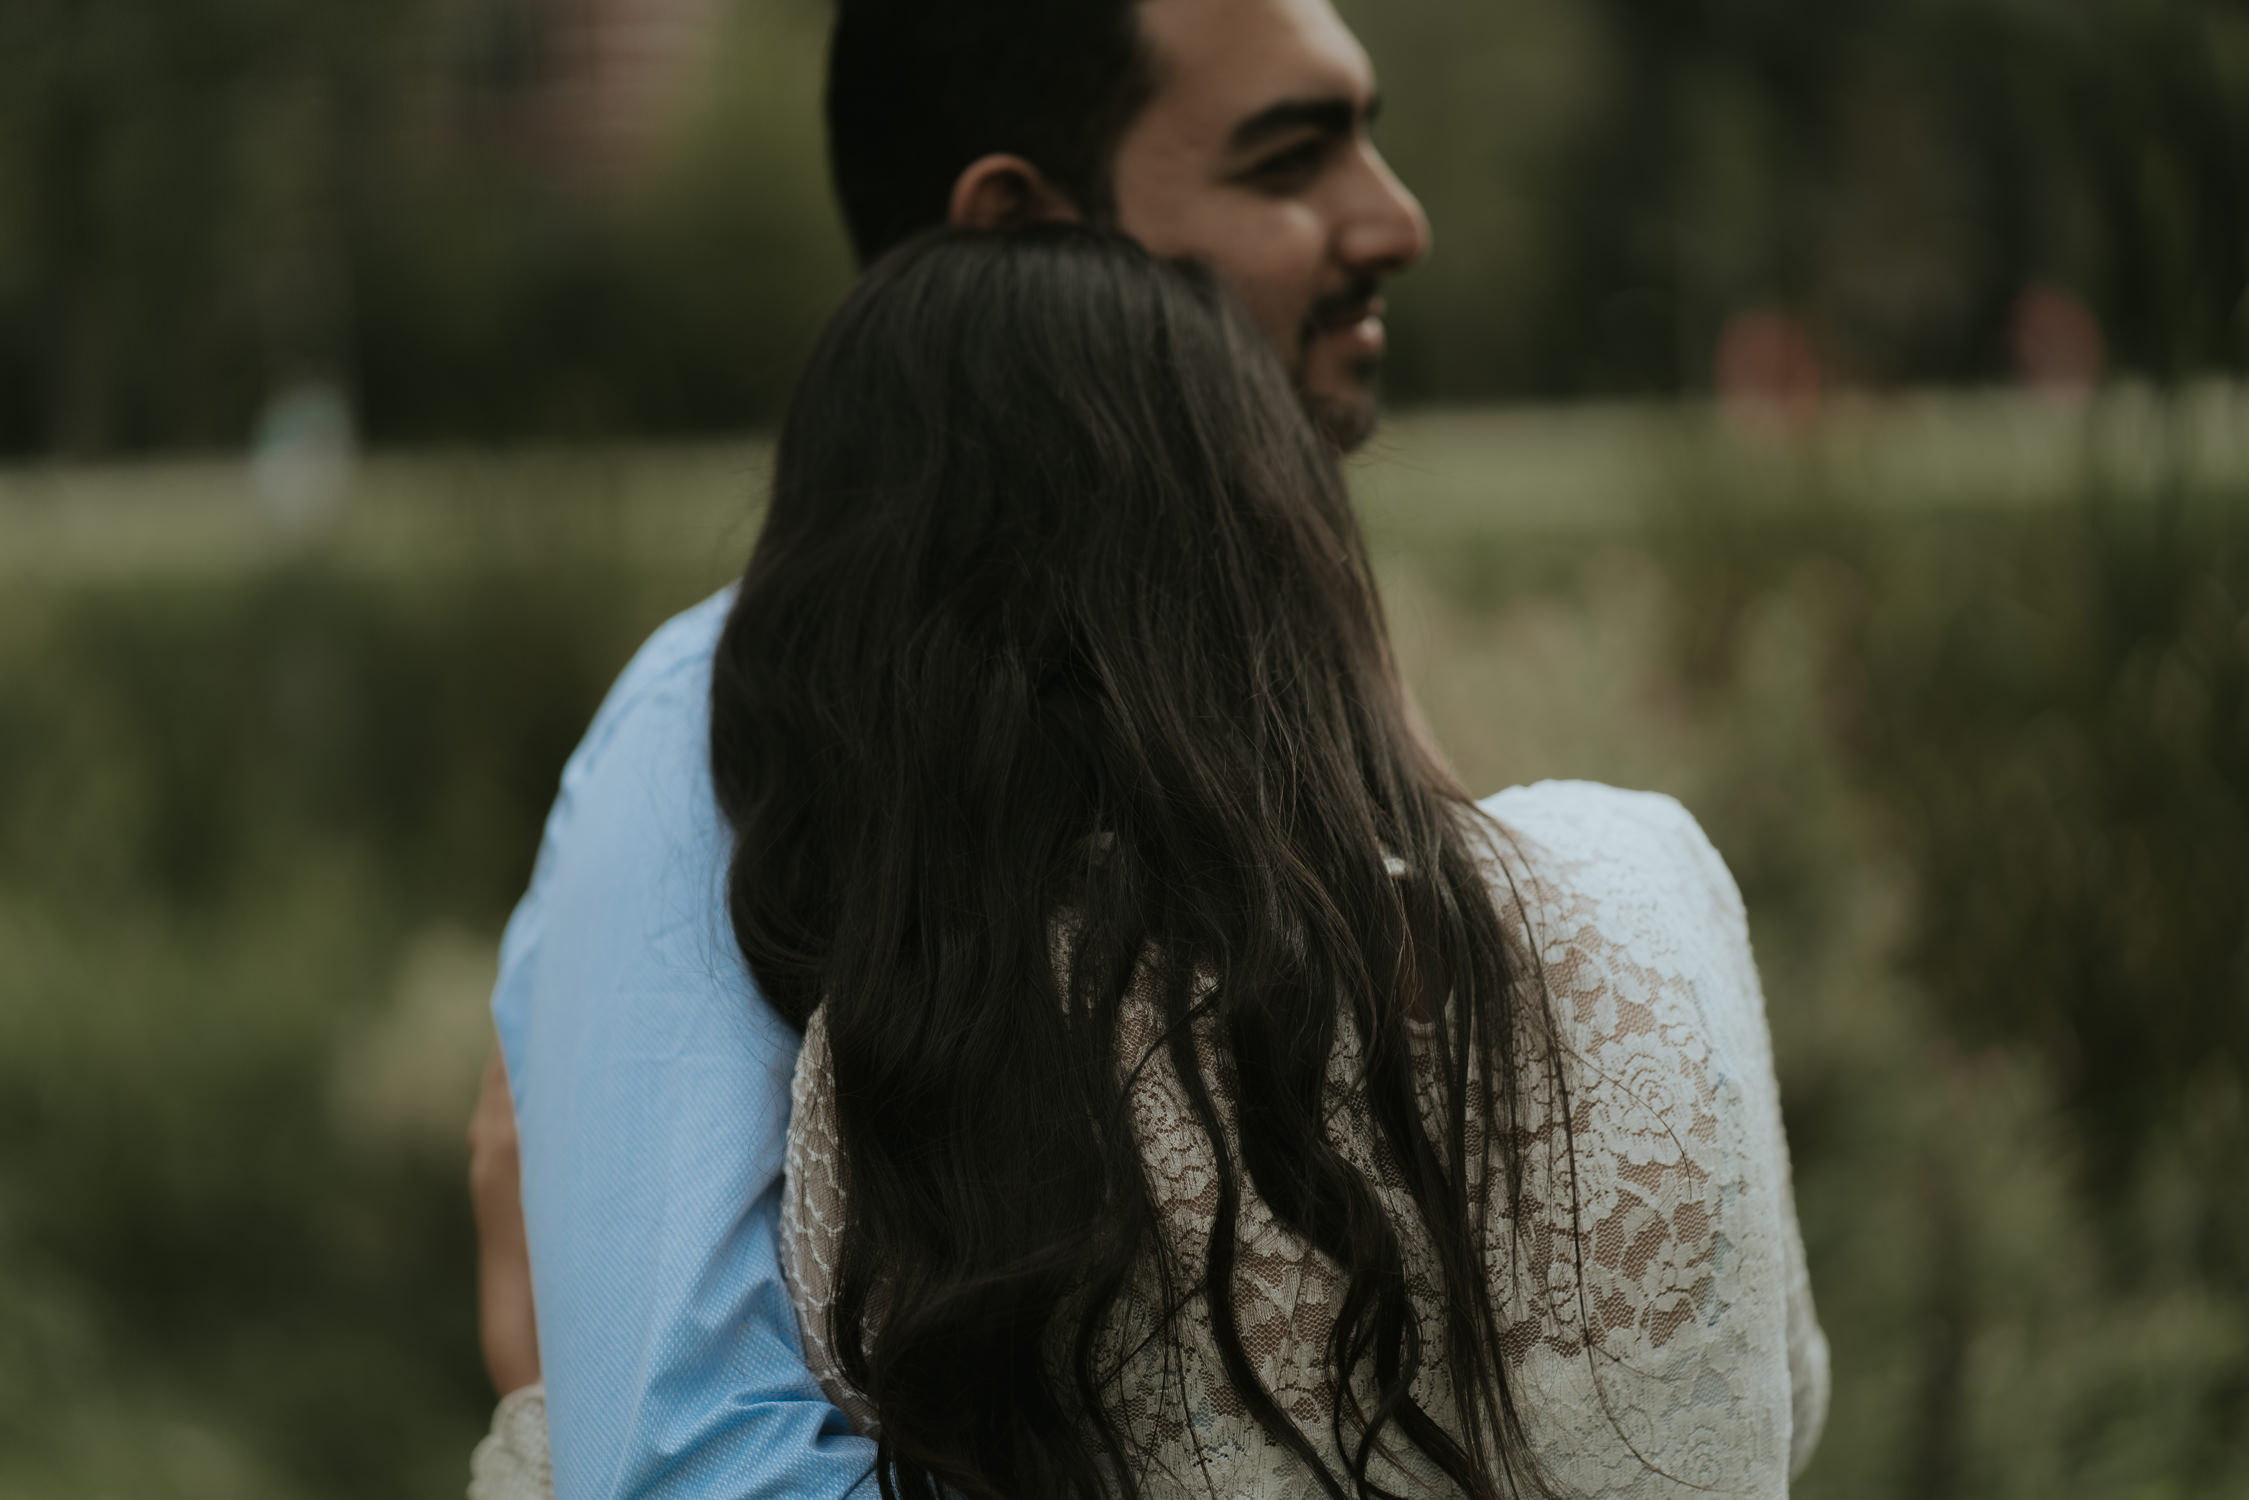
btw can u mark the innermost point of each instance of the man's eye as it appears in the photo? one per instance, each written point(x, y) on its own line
point(1291, 168)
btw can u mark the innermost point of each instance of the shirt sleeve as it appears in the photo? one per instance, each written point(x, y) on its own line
point(652, 1094)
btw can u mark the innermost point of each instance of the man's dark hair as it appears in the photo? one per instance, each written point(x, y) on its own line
point(919, 89)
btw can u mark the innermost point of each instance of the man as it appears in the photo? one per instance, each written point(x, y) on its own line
point(651, 1084)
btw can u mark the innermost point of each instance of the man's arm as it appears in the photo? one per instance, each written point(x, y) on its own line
point(651, 1092)
point(506, 1323)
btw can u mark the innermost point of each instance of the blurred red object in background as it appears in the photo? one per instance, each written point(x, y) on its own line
point(1767, 370)
point(2057, 342)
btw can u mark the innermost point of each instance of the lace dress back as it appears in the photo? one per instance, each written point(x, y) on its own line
point(1661, 1337)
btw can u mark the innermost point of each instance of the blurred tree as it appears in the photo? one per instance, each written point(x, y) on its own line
point(460, 214)
point(168, 225)
point(203, 202)
point(1896, 172)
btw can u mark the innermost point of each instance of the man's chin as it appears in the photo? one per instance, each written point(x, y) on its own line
point(1345, 417)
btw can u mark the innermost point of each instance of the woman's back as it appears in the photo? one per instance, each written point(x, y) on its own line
point(1200, 1096)
point(1657, 1320)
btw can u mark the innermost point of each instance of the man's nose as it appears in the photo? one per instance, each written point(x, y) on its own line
point(1383, 228)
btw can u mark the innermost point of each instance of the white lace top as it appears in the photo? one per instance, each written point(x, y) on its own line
point(1675, 1353)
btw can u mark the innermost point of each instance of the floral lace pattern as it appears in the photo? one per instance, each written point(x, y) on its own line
point(1661, 1335)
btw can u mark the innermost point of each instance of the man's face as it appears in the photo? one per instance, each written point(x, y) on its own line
point(1253, 156)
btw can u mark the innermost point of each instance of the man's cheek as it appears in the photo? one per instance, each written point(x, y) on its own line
point(1281, 316)
point(1260, 256)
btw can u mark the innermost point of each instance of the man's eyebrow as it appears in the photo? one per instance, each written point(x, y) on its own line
point(1330, 116)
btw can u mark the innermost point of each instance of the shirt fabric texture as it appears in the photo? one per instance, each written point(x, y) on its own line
point(651, 1091)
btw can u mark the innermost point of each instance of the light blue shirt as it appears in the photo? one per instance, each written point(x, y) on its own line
point(652, 1095)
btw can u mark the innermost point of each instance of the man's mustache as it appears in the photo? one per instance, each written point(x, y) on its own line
point(1341, 308)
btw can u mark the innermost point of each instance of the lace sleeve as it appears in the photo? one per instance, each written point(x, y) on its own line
point(1700, 1369)
point(1726, 917)
point(812, 1217)
point(511, 1462)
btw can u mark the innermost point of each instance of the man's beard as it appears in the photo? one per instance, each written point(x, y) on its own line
point(1346, 420)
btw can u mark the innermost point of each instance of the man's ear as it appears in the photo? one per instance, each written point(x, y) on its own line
point(1006, 192)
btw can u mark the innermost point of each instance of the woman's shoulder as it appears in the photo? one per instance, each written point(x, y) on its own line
point(1622, 896)
point(1624, 848)
point(1588, 823)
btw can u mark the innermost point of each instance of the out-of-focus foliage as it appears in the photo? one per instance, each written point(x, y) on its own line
point(244, 819)
point(1963, 714)
point(205, 202)
point(264, 802)
point(1611, 179)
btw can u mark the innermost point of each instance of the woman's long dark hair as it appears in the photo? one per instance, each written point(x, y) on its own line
point(1060, 608)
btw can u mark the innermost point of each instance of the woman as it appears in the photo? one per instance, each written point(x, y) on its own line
point(1200, 1095)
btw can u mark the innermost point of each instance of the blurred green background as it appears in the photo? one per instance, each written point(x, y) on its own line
point(1832, 416)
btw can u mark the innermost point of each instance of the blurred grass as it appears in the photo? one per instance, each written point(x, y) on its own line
point(1957, 684)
